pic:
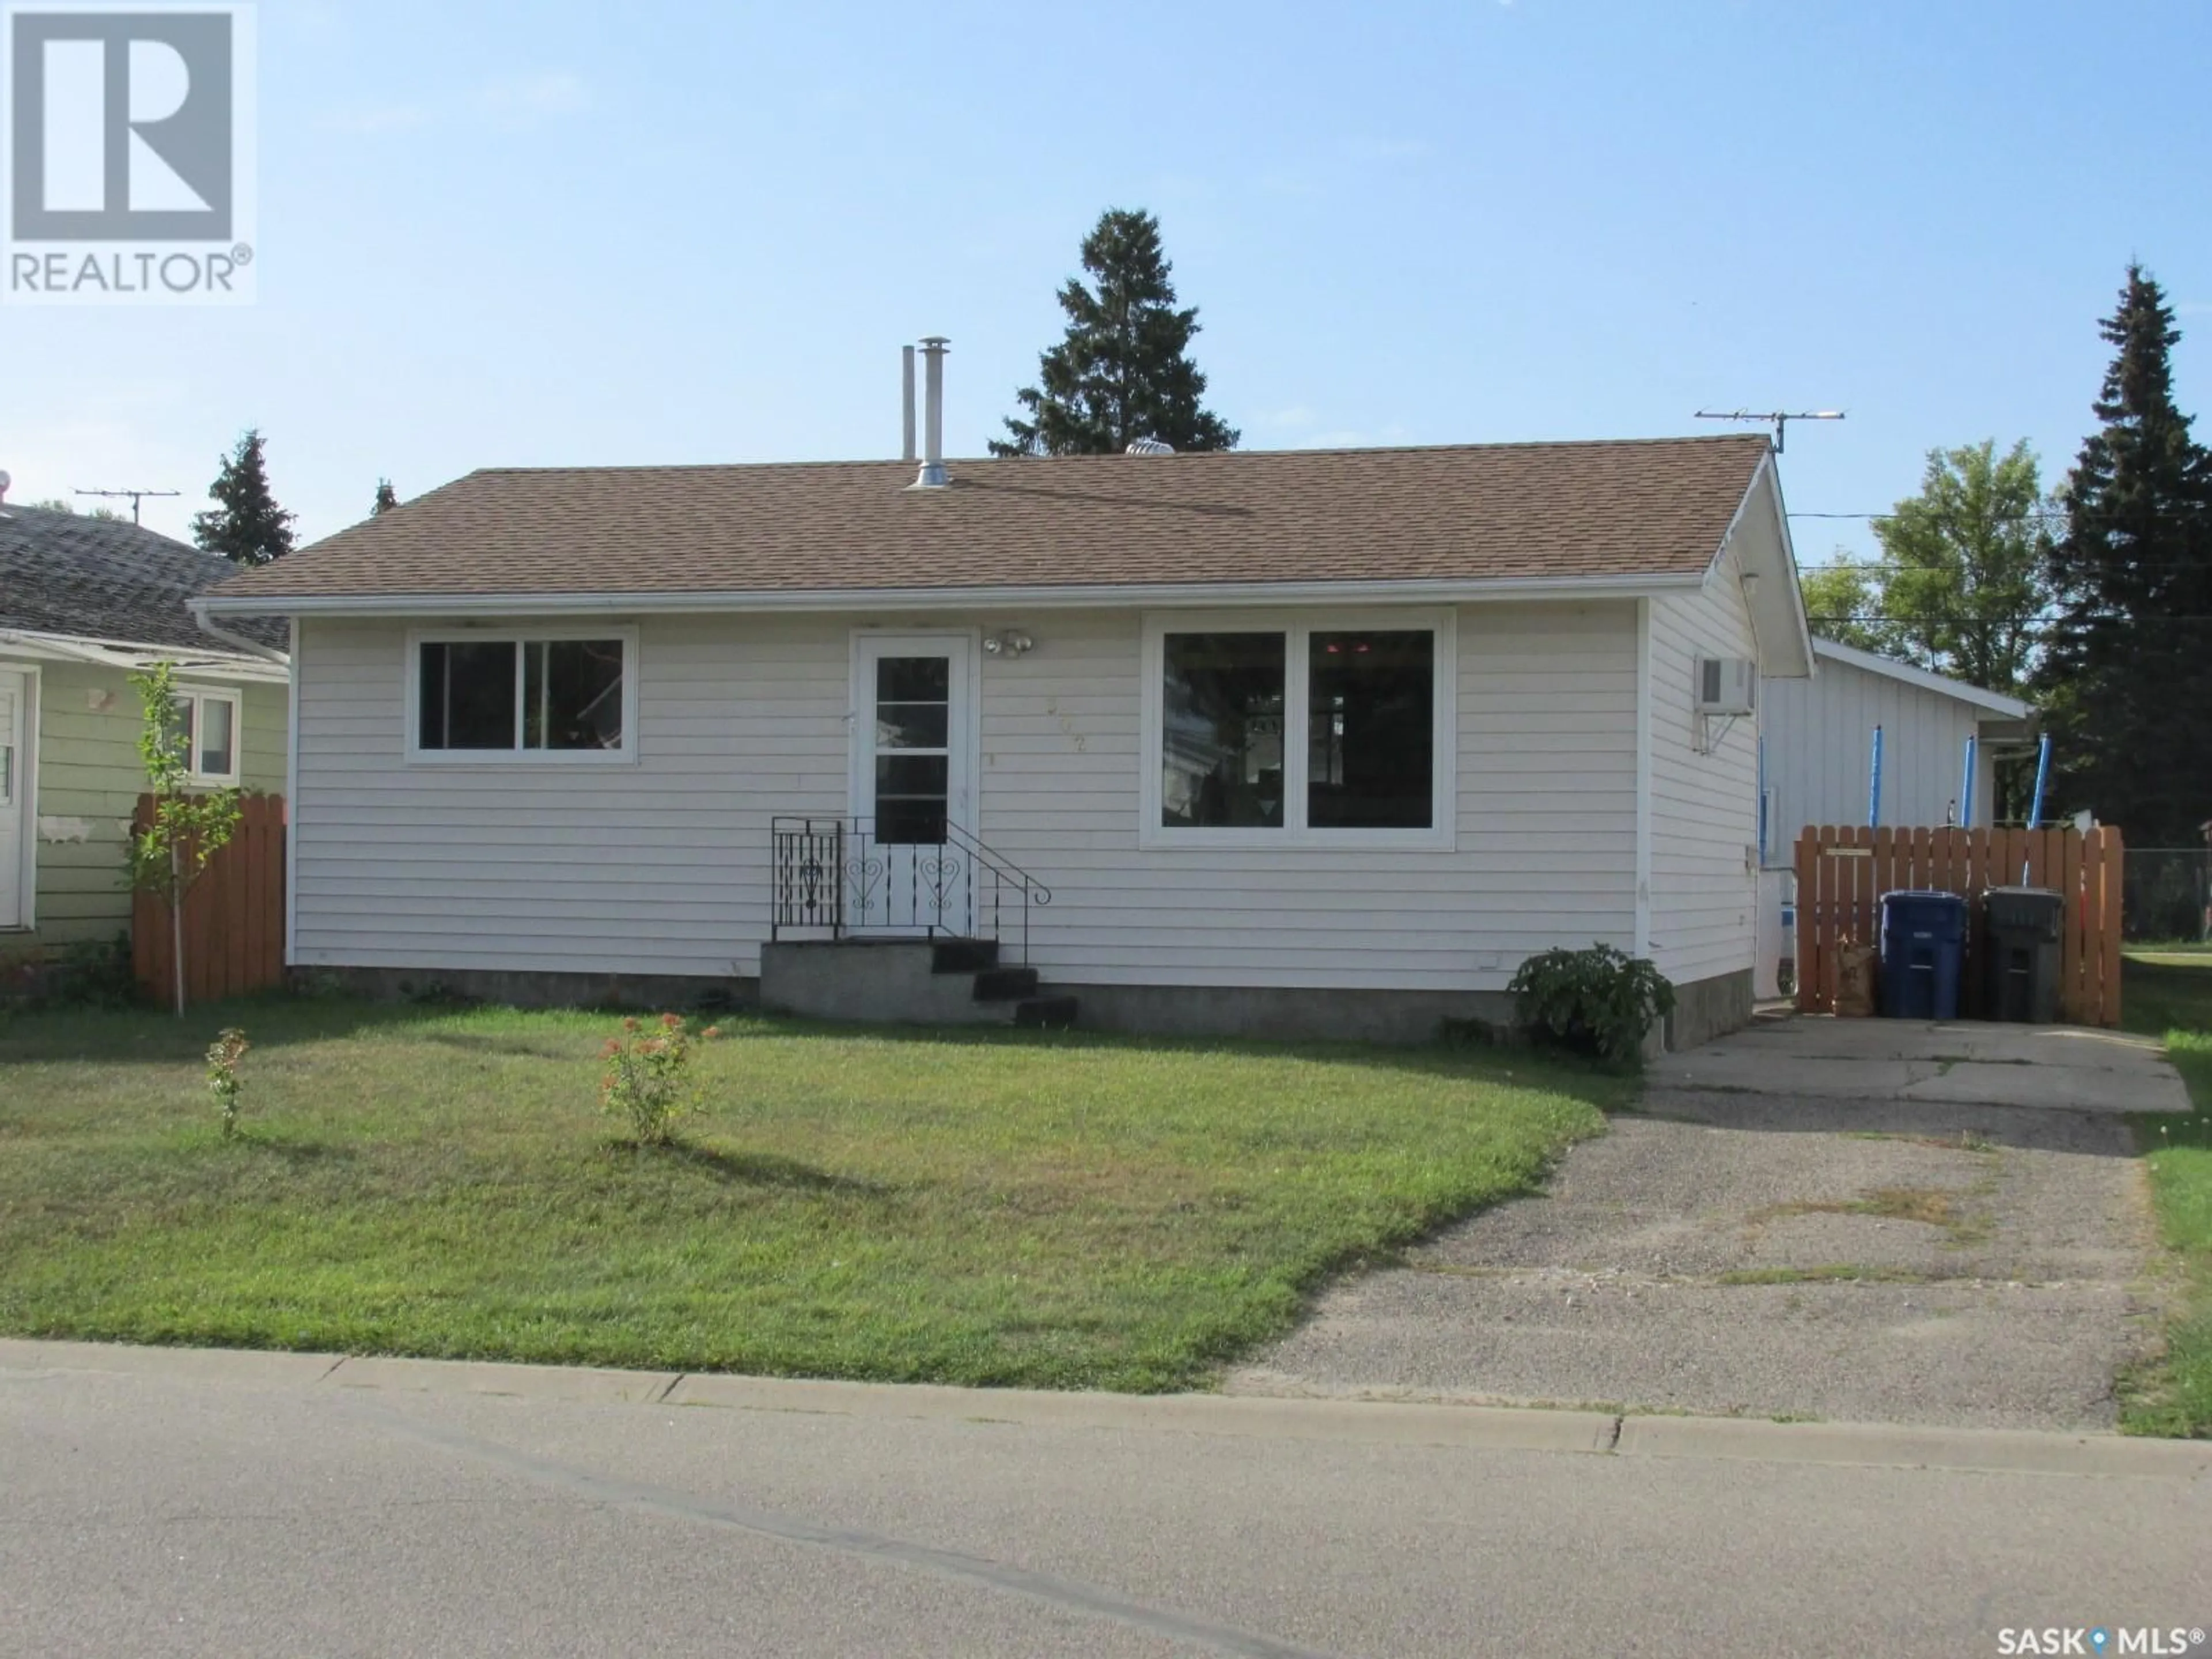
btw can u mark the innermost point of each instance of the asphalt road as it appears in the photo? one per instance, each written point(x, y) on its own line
point(153, 1504)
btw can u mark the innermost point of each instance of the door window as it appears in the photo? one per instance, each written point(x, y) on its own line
point(914, 753)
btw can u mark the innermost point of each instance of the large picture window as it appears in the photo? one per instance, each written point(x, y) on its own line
point(1325, 733)
point(536, 697)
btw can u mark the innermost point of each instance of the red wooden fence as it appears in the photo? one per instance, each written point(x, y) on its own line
point(1842, 873)
point(234, 916)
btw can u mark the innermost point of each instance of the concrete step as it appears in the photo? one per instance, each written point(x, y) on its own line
point(1005, 984)
point(906, 982)
point(963, 956)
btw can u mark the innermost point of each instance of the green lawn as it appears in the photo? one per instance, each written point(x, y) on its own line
point(1004, 1208)
point(2170, 993)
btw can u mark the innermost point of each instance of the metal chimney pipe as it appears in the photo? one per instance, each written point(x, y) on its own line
point(906, 402)
point(932, 476)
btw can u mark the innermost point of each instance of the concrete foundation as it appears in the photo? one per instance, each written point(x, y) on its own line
point(521, 987)
point(1283, 1013)
point(1709, 1008)
point(893, 982)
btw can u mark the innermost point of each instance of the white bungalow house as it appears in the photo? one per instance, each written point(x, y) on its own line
point(1305, 743)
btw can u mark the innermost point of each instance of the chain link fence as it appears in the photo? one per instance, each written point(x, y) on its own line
point(2167, 896)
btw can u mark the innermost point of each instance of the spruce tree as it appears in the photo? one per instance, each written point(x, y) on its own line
point(386, 499)
point(1123, 372)
point(2126, 681)
point(246, 525)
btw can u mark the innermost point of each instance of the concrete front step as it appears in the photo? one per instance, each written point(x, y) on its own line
point(908, 982)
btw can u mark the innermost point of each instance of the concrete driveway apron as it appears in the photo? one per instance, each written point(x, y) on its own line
point(1853, 1220)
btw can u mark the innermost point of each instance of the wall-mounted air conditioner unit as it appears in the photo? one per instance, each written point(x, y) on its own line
point(1726, 685)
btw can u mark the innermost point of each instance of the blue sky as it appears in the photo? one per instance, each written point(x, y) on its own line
point(566, 233)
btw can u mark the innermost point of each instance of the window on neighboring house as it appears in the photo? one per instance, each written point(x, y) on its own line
point(207, 734)
point(1367, 757)
point(483, 696)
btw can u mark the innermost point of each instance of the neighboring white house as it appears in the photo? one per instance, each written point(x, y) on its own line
point(1818, 752)
point(1820, 746)
point(1302, 742)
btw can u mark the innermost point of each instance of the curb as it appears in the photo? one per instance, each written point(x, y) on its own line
point(1491, 1428)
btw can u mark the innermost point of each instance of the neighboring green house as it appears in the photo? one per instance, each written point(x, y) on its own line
point(84, 602)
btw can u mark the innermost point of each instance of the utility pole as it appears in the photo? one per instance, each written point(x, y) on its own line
point(136, 496)
point(1775, 418)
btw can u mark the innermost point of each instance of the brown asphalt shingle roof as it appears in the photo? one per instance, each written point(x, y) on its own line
point(1469, 512)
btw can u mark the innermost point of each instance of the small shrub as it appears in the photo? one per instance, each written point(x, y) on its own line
point(222, 1079)
point(94, 974)
point(645, 1083)
point(1599, 1001)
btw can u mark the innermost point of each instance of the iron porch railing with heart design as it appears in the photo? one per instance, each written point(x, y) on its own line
point(837, 876)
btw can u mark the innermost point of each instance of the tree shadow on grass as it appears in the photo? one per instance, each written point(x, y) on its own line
point(751, 1168)
point(275, 1020)
point(512, 1047)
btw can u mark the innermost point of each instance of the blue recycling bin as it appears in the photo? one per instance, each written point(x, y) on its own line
point(1923, 943)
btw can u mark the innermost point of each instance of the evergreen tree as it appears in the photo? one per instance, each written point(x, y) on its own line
point(2126, 681)
point(386, 499)
point(1123, 371)
point(246, 525)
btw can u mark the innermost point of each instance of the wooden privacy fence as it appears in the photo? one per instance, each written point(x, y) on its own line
point(233, 915)
point(1842, 873)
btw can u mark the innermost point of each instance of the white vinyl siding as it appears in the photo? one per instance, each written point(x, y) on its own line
point(1704, 807)
point(663, 868)
point(1819, 753)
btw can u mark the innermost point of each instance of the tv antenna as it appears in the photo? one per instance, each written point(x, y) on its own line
point(136, 496)
point(1775, 418)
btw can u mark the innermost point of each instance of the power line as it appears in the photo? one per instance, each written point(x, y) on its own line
point(2002, 517)
point(1882, 565)
point(2041, 624)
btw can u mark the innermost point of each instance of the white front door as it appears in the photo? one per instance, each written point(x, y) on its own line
point(914, 783)
point(15, 794)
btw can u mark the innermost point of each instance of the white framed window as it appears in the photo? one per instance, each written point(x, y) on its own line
point(208, 733)
point(557, 695)
point(1329, 729)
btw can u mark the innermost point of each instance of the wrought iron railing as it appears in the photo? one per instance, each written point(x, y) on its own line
point(835, 875)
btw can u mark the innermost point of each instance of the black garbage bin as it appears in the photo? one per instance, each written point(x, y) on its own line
point(2021, 927)
point(1923, 940)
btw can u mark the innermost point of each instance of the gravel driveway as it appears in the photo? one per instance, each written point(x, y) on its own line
point(1849, 1221)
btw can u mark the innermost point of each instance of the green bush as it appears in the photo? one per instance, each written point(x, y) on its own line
point(1600, 1001)
point(95, 974)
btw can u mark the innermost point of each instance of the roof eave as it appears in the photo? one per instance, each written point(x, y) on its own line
point(135, 654)
point(1873, 663)
point(1162, 595)
point(1782, 635)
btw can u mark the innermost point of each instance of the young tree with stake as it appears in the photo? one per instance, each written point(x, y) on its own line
point(187, 829)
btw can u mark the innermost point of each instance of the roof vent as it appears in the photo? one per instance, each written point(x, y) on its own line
point(1148, 447)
